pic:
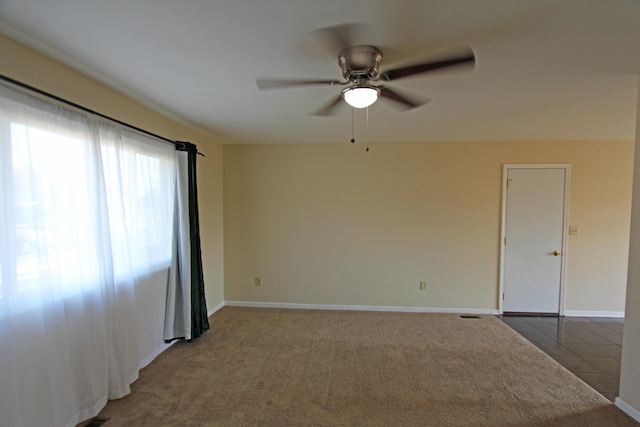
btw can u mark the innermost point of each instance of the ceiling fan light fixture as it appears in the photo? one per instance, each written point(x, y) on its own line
point(361, 96)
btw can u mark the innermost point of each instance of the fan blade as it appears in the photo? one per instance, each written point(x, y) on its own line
point(338, 37)
point(265, 84)
point(398, 73)
point(329, 108)
point(407, 102)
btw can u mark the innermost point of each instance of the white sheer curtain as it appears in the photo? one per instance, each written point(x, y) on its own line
point(86, 222)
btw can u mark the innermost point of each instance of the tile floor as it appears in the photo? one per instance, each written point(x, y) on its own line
point(590, 347)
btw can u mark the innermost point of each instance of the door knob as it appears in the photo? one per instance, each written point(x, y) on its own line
point(557, 253)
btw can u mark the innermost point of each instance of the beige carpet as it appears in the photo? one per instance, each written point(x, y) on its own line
point(273, 367)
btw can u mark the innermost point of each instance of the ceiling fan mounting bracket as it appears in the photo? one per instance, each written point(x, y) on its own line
point(360, 62)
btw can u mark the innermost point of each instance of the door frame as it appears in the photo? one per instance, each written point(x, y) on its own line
point(565, 227)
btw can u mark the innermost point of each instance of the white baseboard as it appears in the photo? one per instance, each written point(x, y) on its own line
point(628, 409)
point(583, 313)
point(162, 347)
point(359, 307)
point(150, 358)
point(262, 304)
point(214, 309)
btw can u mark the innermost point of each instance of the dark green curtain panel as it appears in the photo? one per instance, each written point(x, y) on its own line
point(199, 320)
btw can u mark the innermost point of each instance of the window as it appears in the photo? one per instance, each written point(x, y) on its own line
point(69, 192)
point(86, 230)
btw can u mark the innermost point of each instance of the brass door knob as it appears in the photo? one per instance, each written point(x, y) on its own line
point(557, 253)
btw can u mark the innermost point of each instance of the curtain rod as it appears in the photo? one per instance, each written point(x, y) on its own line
point(85, 109)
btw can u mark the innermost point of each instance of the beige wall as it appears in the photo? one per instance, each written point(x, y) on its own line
point(28, 66)
point(630, 371)
point(333, 224)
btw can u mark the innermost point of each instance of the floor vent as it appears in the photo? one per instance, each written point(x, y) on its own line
point(97, 422)
point(464, 316)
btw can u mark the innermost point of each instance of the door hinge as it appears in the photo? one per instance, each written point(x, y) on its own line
point(503, 296)
point(505, 240)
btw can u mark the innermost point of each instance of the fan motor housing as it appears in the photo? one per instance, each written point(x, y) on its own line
point(359, 62)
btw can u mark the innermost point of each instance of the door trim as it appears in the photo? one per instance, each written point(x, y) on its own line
point(565, 219)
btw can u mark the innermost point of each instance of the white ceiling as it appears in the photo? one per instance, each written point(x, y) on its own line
point(545, 69)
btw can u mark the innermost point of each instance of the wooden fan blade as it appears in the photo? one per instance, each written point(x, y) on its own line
point(329, 108)
point(266, 83)
point(405, 101)
point(398, 73)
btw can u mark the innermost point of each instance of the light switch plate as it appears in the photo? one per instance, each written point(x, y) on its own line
point(574, 230)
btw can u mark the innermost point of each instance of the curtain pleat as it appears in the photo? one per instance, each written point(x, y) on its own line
point(186, 314)
point(177, 321)
point(199, 320)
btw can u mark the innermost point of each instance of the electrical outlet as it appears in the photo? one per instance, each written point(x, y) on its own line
point(257, 281)
point(423, 285)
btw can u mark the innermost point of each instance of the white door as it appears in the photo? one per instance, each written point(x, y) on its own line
point(534, 224)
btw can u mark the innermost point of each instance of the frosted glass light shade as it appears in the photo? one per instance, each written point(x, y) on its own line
point(360, 97)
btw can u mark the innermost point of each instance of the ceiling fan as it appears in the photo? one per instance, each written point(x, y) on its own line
point(363, 80)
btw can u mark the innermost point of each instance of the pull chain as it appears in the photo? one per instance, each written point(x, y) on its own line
point(352, 119)
point(367, 130)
